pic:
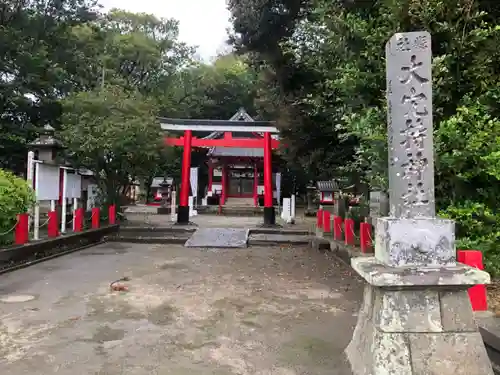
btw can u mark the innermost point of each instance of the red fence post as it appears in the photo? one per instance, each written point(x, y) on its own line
point(337, 228)
point(96, 218)
point(53, 225)
point(365, 237)
point(319, 218)
point(78, 218)
point(349, 231)
point(21, 231)
point(477, 293)
point(112, 214)
point(327, 222)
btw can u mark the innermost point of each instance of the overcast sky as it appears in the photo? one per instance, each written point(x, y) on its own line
point(203, 23)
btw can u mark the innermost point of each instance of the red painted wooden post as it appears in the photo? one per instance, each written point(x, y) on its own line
point(78, 218)
point(255, 185)
point(53, 224)
point(183, 210)
point(365, 237)
point(96, 218)
point(477, 293)
point(223, 193)
point(112, 214)
point(349, 231)
point(269, 214)
point(21, 231)
point(337, 228)
point(327, 222)
point(319, 218)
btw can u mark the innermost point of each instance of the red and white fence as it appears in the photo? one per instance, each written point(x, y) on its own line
point(21, 229)
point(344, 230)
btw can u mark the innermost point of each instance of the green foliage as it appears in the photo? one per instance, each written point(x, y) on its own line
point(322, 73)
point(16, 197)
point(134, 50)
point(212, 91)
point(477, 228)
point(38, 63)
point(113, 133)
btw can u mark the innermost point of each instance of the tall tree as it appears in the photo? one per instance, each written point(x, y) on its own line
point(213, 91)
point(114, 133)
point(135, 50)
point(37, 66)
point(336, 51)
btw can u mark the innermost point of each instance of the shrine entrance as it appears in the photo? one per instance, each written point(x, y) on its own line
point(239, 139)
point(241, 183)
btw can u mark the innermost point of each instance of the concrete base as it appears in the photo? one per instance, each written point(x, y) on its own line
point(163, 210)
point(407, 326)
point(320, 244)
point(219, 238)
point(269, 216)
point(415, 242)
point(183, 215)
point(378, 274)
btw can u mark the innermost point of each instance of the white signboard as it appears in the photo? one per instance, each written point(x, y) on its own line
point(278, 186)
point(286, 214)
point(74, 187)
point(328, 197)
point(46, 182)
point(92, 194)
point(194, 181)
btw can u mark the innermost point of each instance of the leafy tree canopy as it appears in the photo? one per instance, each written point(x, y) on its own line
point(322, 73)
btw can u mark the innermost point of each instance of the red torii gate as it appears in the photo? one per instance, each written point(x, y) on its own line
point(226, 126)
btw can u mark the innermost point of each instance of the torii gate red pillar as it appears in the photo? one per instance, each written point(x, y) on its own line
point(183, 211)
point(269, 215)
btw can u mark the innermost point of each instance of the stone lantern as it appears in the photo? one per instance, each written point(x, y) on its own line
point(46, 146)
point(311, 192)
point(166, 193)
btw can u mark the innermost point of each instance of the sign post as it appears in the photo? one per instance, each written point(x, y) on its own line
point(416, 314)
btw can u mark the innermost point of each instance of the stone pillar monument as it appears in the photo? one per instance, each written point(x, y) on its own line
point(164, 209)
point(416, 318)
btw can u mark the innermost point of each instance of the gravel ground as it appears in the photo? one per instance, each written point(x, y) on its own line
point(269, 310)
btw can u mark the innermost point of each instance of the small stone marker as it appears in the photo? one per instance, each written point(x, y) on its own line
point(379, 205)
point(173, 206)
point(286, 210)
point(341, 205)
point(416, 316)
point(219, 238)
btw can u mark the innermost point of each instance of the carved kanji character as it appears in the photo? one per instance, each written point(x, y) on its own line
point(411, 72)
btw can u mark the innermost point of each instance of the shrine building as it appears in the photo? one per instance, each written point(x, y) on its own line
point(239, 152)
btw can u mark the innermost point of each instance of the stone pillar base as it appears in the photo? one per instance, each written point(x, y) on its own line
point(417, 321)
point(269, 216)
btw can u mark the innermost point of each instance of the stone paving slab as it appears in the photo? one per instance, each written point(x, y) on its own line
point(279, 238)
point(219, 238)
point(256, 311)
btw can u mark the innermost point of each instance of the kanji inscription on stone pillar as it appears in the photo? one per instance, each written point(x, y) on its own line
point(409, 123)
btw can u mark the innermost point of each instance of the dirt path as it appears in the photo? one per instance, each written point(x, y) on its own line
point(189, 311)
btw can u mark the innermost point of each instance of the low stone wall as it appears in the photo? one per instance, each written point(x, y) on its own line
point(345, 252)
point(36, 249)
point(489, 327)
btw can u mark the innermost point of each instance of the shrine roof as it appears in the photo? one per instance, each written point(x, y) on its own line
point(240, 122)
point(327, 186)
point(157, 181)
point(238, 152)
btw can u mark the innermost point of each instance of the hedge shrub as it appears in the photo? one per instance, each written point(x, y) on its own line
point(16, 197)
